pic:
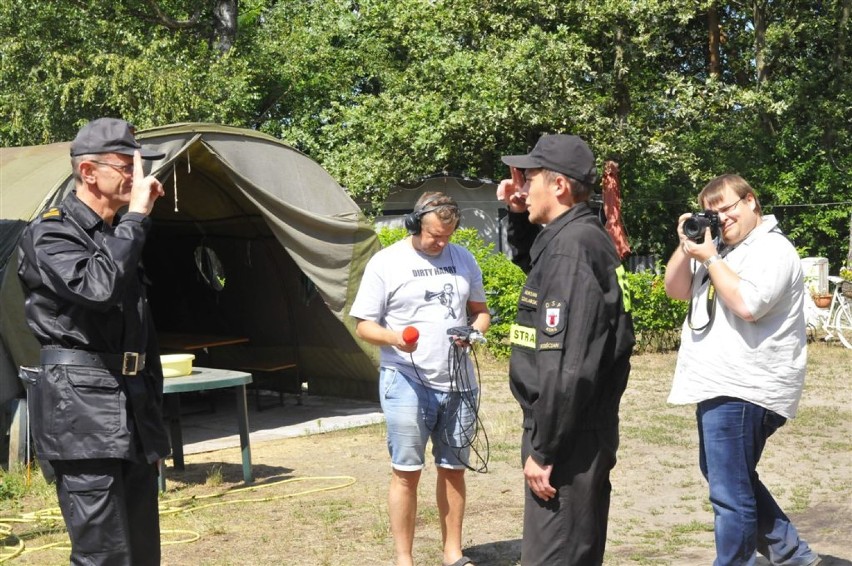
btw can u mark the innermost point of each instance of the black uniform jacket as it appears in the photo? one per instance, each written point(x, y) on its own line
point(573, 337)
point(84, 290)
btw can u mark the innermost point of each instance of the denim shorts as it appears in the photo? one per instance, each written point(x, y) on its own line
point(414, 413)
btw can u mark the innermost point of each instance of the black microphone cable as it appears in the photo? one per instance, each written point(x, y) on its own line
point(472, 436)
point(463, 383)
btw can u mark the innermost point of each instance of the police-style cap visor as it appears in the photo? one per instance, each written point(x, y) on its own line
point(109, 135)
point(565, 154)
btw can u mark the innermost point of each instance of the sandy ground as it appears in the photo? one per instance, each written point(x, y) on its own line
point(659, 512)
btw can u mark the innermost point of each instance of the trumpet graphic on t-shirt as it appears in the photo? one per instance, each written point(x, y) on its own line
point(445, 297)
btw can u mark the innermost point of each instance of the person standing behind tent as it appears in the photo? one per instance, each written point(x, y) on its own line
point(742, 359)
point(571, 347)
point(96, 400)
point(428, 283)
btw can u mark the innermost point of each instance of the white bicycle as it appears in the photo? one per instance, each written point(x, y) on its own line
point(836, 320)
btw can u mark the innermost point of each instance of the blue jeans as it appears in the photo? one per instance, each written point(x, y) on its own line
point(414, 413)
point(732, 434)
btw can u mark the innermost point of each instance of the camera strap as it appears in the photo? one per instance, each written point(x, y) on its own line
point(711, 306)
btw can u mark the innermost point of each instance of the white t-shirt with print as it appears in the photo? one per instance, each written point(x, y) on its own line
point(404, 287)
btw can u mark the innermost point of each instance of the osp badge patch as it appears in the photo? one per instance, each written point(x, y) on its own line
point(554, 317)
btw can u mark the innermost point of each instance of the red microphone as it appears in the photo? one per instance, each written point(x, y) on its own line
point(410, 335)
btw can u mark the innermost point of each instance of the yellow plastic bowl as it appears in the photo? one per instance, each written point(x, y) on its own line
point(176, 365)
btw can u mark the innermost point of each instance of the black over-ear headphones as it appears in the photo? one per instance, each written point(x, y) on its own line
point(412, 219)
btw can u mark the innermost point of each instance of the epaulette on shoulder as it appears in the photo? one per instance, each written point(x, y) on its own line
point(54, 213)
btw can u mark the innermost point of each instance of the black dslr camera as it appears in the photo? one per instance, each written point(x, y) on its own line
point(693, 227)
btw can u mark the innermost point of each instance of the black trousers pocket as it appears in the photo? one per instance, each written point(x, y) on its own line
point(91, 506)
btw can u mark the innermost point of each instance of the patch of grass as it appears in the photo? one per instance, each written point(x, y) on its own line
point(800, 500)
point(660, 428)
point(13, 485)
point(25, 486)
point(214, 477)
point(331, 514)
point(380, 527)
point(675, 464)
point(809, 418)
point(427, 514)
point(653, 535)
point(693, 527)
point(837, 446)
point(672, 540)
point(643, 560)
point(503, 452)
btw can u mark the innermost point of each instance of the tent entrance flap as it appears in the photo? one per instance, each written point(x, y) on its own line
point(267, 296)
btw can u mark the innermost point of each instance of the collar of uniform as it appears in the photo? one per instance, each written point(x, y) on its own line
point(549, 232)
point(87, 218)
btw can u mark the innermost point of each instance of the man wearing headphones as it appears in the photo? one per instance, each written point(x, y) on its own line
point(417, 282)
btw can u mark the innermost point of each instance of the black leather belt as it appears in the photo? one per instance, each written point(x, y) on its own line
point(128, 363)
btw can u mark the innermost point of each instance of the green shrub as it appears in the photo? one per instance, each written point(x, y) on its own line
point(13, 486)
point(502, 280)
point(20, 482)
point(388, 235)
point(657, 319)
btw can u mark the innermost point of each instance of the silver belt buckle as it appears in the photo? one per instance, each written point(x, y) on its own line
point(130, 363)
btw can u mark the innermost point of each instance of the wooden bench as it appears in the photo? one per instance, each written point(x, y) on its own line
point(264, 373)
point(267, 364)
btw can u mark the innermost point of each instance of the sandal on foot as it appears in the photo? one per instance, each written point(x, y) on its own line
point(461, 562)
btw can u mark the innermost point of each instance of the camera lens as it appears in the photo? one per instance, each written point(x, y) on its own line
point(693, 228)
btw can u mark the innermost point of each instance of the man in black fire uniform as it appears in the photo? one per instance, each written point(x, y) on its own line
point(571, 346)
point(96, 401)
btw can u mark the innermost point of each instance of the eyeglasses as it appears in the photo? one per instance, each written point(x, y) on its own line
point(729, 208)
point(124, 169)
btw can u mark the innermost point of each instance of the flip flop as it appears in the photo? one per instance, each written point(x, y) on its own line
point(461, 562)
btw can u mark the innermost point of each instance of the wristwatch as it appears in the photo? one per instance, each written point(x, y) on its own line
point(711, 260)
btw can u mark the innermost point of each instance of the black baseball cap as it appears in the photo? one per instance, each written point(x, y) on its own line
point(565, 154)
point(109, 135)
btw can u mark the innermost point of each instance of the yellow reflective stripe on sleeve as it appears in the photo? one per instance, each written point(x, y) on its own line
point(522, 336)
point(622, 282)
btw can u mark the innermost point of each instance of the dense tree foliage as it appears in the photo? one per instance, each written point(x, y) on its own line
point(383, 91)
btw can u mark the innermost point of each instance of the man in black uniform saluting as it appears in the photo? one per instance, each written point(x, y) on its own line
point(96, 402)
point(571, 346)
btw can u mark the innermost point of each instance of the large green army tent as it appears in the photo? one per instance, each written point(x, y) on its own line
point(291, 243)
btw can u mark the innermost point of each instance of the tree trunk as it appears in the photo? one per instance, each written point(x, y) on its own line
point(713, 37)
point(225, 24)
point(622, 91)
point(840, 47)
point(759, 15)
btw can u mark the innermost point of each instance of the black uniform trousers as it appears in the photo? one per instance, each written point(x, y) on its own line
point(110, 511)
point(570, 529)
